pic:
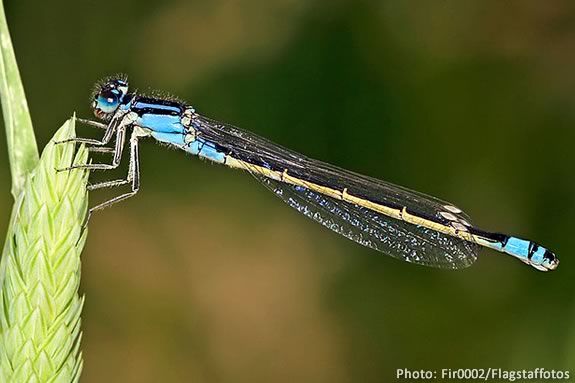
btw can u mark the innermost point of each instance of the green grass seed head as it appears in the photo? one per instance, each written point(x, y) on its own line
point(40, 270)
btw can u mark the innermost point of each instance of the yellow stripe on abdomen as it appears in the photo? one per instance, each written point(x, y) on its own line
point(399, 214)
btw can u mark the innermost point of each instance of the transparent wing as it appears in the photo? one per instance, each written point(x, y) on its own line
point(391, 236)
point(252, 148)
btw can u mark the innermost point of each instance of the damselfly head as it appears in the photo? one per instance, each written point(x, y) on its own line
point(108, 97)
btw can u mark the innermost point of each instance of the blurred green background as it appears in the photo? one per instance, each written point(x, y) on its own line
point(205, 276)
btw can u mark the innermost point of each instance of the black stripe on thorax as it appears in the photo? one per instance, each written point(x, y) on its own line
point(152, 105)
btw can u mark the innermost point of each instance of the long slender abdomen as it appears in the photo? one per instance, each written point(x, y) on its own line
point(526, 251)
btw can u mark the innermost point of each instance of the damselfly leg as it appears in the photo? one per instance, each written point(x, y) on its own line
point(118, 128)
point(133, 177)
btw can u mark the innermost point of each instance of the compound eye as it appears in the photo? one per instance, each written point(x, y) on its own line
point(108, 100)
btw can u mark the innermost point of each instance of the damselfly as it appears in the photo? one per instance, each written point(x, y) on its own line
point(394, 220)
